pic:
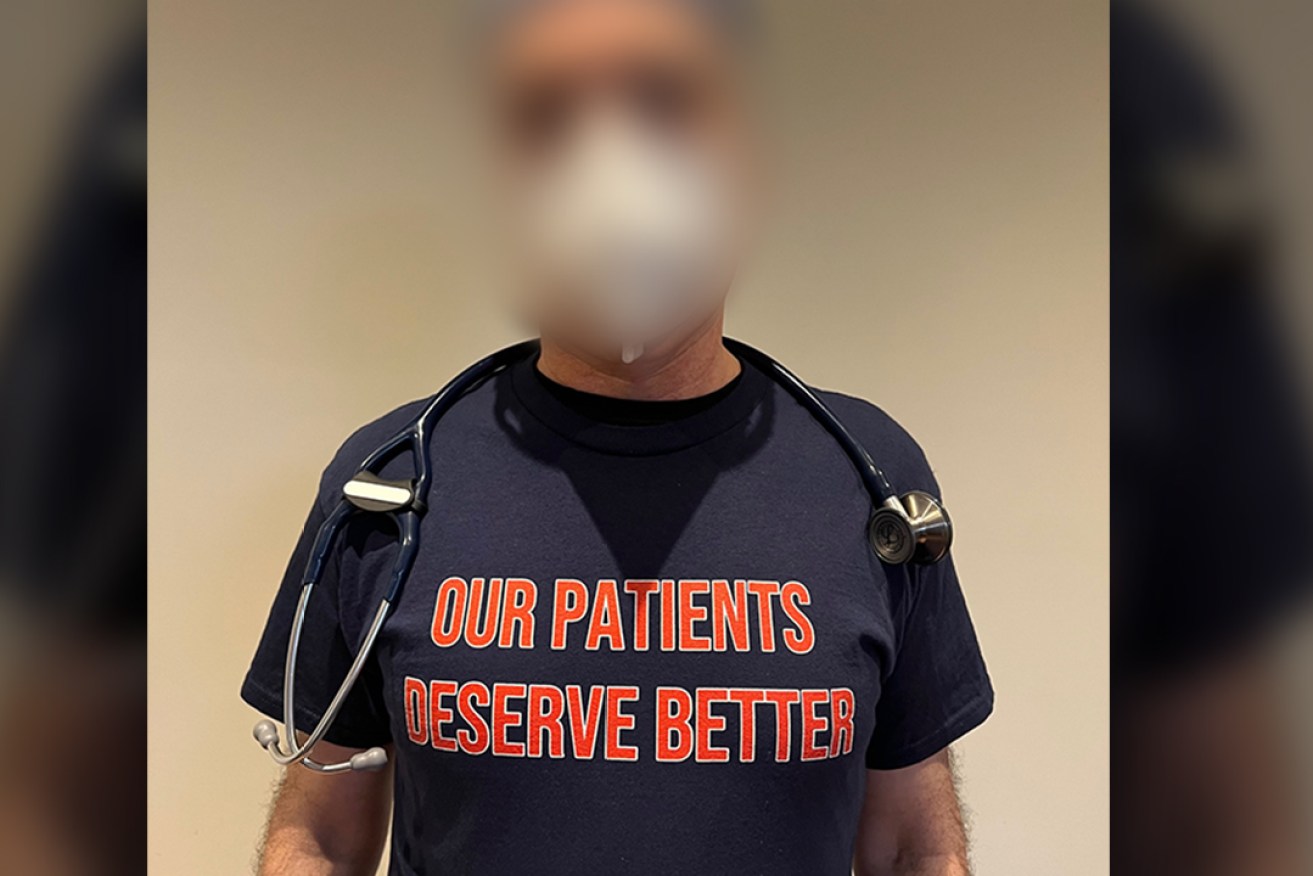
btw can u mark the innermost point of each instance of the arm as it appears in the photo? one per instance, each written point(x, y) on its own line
point(911, 824)
point(331, 825)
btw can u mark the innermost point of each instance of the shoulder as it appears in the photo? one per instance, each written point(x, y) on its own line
point(892, 447)
point(360, 444)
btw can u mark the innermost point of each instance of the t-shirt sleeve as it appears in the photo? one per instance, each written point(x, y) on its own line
point(325, 654)
point(938, 688)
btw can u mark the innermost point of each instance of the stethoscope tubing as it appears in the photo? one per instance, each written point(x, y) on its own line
point(415, 438)
point(872, 477)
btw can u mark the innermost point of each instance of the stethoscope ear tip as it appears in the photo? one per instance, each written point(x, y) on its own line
point(369, 761)
point(265, 733)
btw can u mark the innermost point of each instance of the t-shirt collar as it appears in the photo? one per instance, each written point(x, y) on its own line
point(652, 440)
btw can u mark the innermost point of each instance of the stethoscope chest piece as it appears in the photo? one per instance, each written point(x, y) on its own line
point(915, 529)
point(369, 492)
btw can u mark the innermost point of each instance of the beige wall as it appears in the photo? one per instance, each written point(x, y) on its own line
point(940, 249)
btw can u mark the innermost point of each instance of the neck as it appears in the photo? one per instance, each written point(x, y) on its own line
point(696, 366)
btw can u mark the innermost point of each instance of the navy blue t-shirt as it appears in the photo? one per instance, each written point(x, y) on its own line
point(651, 649)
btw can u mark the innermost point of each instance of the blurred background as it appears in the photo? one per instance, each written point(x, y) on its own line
point(72, 437)
point(940, 245)
point(1212, 488)
point(937, 244)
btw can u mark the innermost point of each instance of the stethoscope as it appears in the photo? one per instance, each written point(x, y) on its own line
point(911, 529)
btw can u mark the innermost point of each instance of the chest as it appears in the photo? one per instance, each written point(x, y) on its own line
point(634, 613)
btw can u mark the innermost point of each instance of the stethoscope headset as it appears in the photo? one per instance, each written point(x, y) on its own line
point(913, 528)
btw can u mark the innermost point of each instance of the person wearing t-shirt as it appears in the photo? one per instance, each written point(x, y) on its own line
point(645, 632)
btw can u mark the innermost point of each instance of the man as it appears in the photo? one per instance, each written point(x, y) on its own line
point(645, 633)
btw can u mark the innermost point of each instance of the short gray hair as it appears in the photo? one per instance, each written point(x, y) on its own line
point(735, 18)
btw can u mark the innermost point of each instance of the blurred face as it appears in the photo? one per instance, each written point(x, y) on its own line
point(623, 137)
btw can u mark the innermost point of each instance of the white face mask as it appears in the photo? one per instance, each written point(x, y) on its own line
point(629, 236)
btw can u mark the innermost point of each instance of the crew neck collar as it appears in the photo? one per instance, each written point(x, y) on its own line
point(645, 440)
